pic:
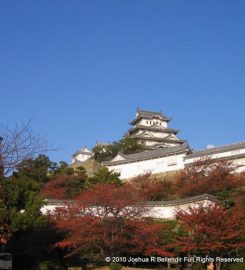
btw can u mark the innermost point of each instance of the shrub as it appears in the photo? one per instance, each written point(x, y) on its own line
point(48, 265)
point(115, 266)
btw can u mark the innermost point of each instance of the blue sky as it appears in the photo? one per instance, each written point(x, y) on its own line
point(80, 69)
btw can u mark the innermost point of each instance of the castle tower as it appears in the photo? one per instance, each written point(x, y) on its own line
point(81, 155)
point(151, 128)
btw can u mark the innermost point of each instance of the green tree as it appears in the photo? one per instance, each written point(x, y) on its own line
point(65, 183)
point(104, 176)
point(23, 202)
point(109, 151)
point(64, 168)
point(27, 226)
point(130, 146)
point(105, 152)
point(38, 169)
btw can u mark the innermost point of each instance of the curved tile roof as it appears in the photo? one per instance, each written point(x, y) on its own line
point(193, 199)
point(216, 150)
point(153, 128)
point(160, 152)
point(149, 115)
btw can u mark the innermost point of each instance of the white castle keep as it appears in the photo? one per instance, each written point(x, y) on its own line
point(165, 152)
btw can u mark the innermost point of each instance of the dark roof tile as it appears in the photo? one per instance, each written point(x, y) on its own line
point(150, 154)
point(149, 115)
point(216, 150)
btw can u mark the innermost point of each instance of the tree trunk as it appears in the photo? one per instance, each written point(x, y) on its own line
point(218, 266)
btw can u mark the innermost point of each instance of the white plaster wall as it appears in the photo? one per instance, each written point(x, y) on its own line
point(169, 212)
point(49, 209)
point(155, 134)
point(228, 154)
point(118, 158)
point(81, 157)
point(239, 164)
point(167, 164)
point(157, 165)
point(150, 143)
point(150, 122)
point(172, 144)
point(163, 212)
point(218, 155)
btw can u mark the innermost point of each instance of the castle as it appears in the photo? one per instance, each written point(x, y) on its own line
point(164, 151)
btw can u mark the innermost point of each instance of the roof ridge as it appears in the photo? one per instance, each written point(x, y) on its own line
point(206, 196)
point(221, 146)
point(218, 149)
point(139, 110)
point(166, 202)
point(152, 153)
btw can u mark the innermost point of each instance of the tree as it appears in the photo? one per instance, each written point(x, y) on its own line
point(207, 176)
point(38, 169)
point(130, 146)
point(21, 193)
point(65, 183)
point(110, 223)
point(19, 144)
point(105, 152)
point(153, 189)
point(109, 151)
point(213, 230)
point(25, 226)
point(34, 246)
point(16, 145)
point(104, 176)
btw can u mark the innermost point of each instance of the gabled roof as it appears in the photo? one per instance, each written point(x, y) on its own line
point(119, 157)
point(84, 150)
point(216, 150)
point(156, 139)
point(149, 115)
point(154, 128)
point(160, 152)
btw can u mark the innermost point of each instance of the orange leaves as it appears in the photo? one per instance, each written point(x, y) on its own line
point(151, 188)
point(56, 188)
point(63, 186)
point(108, 220)
point(212, 229)
point(206, 176)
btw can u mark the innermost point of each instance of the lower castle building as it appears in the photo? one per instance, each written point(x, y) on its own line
point(173, 159)
point(155, 209)
point(165, 152)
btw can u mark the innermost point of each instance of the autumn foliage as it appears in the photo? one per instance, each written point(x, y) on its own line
point(64, 185)
point(206, 176)
point(111, 219)
point(108, 221)
point(212, 231)
point(153, 189)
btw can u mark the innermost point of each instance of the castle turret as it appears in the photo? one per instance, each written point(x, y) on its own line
point(81, 155)
point(151, 129)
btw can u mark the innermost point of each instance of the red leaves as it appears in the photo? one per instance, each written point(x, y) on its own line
point(57, 187)
point(107, 220)
point(212, 229)
point(206, 177)
point(151, 188)
point(63, 186)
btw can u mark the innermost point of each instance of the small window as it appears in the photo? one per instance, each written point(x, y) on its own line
point(171, 161)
